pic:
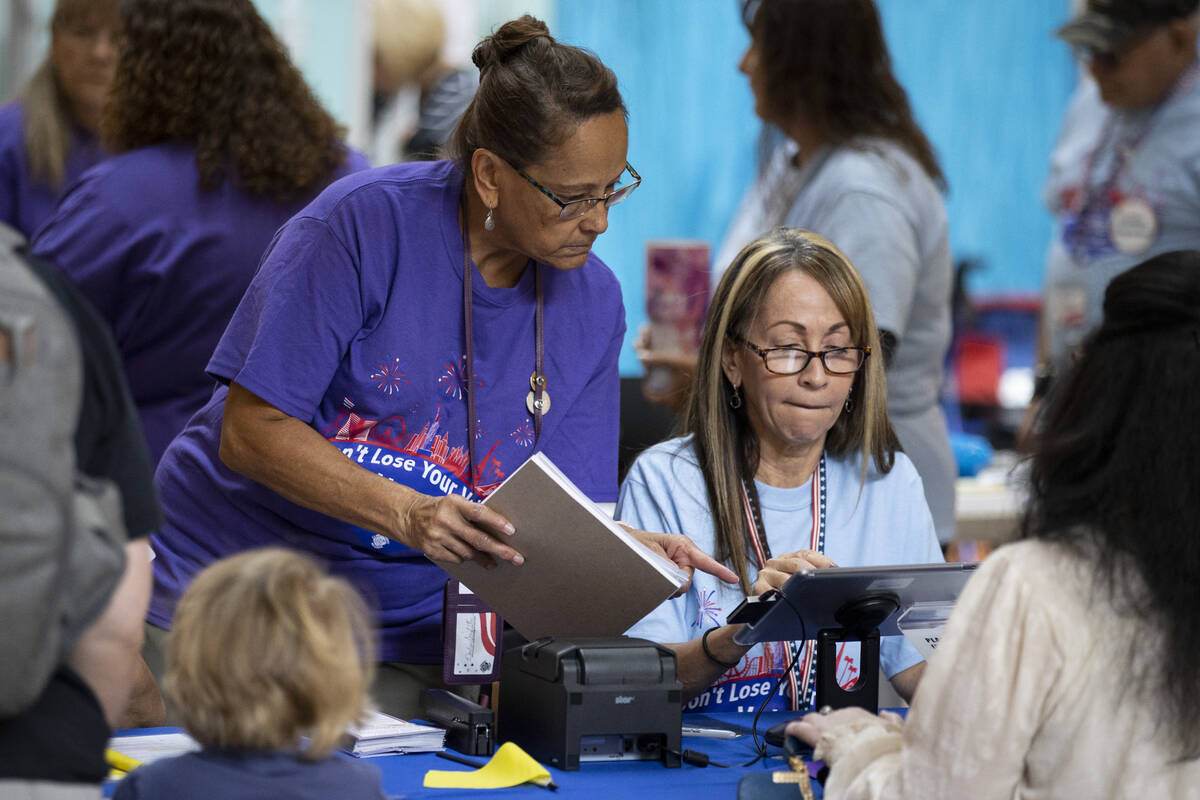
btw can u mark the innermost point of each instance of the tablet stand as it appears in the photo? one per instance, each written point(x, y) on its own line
point(859, 618)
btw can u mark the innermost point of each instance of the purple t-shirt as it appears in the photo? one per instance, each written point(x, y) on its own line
point(165, 263)
point(354, 325)
point(25, 203)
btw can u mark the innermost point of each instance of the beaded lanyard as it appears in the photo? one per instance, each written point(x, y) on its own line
point(538, 400)
point(762, 551)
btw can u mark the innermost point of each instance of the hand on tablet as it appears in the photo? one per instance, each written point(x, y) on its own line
point(777, 570)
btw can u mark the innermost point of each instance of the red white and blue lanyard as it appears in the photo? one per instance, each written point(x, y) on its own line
point(1123, 151)
point(803, 652)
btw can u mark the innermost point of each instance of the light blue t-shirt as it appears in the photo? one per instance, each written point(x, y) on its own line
point(1152, 158)
point(888, 523)
point(876, 203)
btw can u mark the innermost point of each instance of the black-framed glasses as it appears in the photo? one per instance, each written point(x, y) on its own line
point(1110, 58)
point(572, 209)
point(794, 360)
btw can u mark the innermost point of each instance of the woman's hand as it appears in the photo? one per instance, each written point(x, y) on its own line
point(811, 727)
point(453, 529)
point(777, 570)
point(683, 552)
point(668, 374)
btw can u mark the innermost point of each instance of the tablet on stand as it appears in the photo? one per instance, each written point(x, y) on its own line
point(842, 604)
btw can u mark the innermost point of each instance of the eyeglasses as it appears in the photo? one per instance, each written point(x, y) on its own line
point(1111, 59)
point(572, 209)
point(794, 360)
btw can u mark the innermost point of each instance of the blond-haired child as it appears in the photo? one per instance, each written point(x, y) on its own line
point(269, 659)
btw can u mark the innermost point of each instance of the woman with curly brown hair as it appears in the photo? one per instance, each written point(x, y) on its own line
point(217, 142)
point(49, 135)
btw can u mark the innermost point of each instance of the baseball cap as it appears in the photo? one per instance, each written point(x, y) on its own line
point(1106, 25)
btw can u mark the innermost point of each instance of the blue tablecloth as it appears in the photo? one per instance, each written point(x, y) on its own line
point(403, 775)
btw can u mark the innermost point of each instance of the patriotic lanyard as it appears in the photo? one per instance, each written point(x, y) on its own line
point(1123, 151)
point(538, 400)
point(801, 652)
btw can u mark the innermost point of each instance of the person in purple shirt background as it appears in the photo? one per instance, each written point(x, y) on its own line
point(48, 135)
point(399, 301)
point(217, 141)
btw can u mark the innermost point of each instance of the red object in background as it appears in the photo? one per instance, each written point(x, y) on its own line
point(979, 363)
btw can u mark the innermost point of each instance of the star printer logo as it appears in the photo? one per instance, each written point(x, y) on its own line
point(622, 700)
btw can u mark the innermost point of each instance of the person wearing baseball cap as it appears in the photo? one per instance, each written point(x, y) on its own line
point(1124, 182)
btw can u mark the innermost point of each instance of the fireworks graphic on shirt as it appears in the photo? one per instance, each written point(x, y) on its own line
point(479, 430)
point(709, 610)
point(453, 379)
point(389, 378)
point(523, 435)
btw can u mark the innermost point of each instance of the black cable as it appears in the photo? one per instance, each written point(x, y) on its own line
point(698, 759)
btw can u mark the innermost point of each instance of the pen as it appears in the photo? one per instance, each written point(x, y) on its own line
point(710, 733)
point(457, 759)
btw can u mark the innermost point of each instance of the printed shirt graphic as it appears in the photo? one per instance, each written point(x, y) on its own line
point(890, 524)
point(354, 325)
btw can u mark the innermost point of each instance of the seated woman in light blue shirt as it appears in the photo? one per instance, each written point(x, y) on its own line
point(787, 416)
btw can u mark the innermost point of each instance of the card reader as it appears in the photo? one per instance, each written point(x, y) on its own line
point(468, 725)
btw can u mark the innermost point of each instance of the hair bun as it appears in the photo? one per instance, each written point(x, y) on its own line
point(508, 40)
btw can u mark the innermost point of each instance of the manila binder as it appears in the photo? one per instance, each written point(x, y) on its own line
point(584, 575)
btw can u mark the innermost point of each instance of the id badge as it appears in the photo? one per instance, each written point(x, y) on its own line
point(470, 637)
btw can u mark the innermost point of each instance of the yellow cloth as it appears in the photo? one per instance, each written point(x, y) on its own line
point(120, 762)
point(510, 766)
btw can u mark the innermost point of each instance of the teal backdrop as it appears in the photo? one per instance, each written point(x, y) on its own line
point(988, 81)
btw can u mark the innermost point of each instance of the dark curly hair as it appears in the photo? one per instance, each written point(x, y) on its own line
point(1114, 470)
point(828, 60)
point(212, 73)
point(533, 92)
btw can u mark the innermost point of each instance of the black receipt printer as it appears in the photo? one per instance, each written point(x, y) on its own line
point(572, 700)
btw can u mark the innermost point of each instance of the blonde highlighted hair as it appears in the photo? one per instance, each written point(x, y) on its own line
point(46, 111)
point(266, 648)
point(725, 443)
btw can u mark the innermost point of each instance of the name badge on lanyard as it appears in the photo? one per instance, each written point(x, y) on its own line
point(1132, 225)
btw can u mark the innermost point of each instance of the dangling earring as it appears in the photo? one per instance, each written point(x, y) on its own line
point(735, 400)
point(849, 404)
point(489, 222)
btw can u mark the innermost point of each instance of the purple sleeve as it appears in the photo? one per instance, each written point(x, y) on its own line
point(355, 162)
point(587, 443)
point(89, 242)
point(296, 321)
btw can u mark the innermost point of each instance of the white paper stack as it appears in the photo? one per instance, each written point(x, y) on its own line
point(150, 747)
point(382, 734)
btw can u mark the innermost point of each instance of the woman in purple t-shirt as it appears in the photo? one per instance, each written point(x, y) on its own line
point(216, 142)
point(397, 353)
point(48, 136)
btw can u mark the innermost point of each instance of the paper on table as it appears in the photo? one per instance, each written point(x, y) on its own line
point(153, 746)
point(382, 734)
point(510, 766)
